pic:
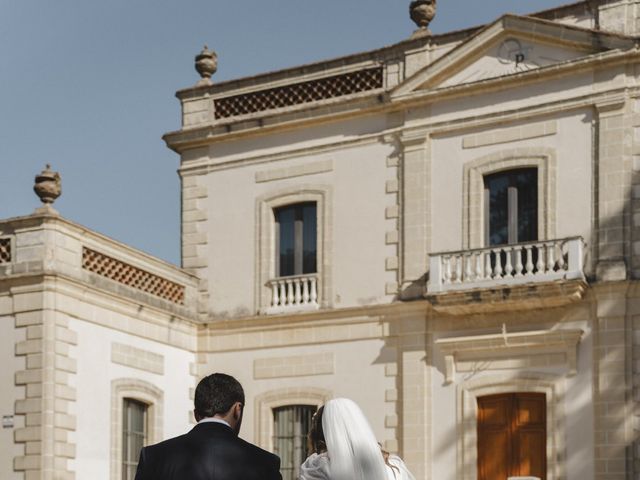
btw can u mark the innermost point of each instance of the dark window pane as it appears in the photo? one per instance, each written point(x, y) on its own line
point(310, 238)
point(498, 186)
point(512, 200)
point(527, 184)
point(297, 244)
point(286, 218)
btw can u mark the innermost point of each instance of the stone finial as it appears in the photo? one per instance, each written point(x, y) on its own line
point(206, 65)
point(48, 187)
point(422, 12)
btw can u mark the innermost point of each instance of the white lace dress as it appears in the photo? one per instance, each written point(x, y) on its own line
point(316, 467)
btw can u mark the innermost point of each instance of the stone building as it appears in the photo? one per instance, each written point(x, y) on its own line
point(443, 230)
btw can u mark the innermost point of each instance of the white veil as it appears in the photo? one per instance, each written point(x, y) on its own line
point(354, 453)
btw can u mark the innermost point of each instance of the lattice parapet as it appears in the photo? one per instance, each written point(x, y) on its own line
point(131, 276)
point(5, 250)
point(299, 93)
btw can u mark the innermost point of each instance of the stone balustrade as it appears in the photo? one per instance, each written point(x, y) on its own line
point(294, 293)
point(505, 265)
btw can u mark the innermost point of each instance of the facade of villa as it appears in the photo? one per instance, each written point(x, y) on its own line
point(445, 230)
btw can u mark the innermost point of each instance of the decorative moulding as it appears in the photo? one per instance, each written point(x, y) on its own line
point(514, 346)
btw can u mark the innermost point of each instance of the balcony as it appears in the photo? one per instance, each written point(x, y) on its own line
point(514, 276)
point(294, 294)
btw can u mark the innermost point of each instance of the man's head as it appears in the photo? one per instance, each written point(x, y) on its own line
point(220, 396)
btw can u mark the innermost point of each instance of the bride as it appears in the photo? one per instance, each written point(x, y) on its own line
point(345, 448)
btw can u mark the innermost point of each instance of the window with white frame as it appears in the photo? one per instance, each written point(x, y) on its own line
point(293, 261)
point(291, 425)
point(134, 435)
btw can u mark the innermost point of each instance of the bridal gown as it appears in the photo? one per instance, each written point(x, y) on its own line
point(316, 467)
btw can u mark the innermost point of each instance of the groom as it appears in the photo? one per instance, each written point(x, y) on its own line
point(212, 450)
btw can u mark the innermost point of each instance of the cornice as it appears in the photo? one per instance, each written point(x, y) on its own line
point(333, 316)
point(40, 281)
point(274, 121)
point(13, 225)
point(419, 133)
point(183, 140)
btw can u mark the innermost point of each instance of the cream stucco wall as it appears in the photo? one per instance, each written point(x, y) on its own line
point(93, 383)
point(575, 397)
point(359, 374)
point(355, 176)
point(570, 187)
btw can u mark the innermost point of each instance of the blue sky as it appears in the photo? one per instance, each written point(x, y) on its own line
point(88, 86)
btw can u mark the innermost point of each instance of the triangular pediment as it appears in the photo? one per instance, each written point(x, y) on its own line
point(511, 45)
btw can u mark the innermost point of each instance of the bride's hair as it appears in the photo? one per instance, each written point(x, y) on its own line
point(341, 429)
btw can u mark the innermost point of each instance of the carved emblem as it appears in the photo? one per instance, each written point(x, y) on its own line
point(512, 51)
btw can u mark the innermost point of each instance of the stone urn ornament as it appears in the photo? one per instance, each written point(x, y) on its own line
point(206, 65)
point(422, 12)
point(48, 187)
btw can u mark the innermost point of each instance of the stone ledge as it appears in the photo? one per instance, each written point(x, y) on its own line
point(509, 298)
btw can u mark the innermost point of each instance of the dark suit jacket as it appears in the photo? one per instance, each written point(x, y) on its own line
point(210, 451)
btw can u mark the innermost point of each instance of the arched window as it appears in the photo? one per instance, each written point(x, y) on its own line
point(291, 425)
point(510, 191)
point(134, 435)
point(296, 239)
point(136, 421)
point(294, 249)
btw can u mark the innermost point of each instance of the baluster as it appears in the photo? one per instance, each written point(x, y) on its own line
point(297, 291)
point(518, 253)
point(540, 263)
point(561, 264)
point(314, 291)
point(508, 268)
point(497, 271)
point(479, 266)
point(468, 272)
point(447, 270)
point(305, 291)
point(529, 264)
point(487, 265)
point(283, 293)
point(290, 296)
point(459, 261)
point(275, 294)
point(551, 261)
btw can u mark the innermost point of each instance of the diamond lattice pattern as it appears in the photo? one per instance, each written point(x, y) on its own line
point(299, 93)
point(126, 274)
point(5, 250)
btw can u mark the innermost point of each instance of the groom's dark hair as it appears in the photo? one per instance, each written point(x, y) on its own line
point(216, 394)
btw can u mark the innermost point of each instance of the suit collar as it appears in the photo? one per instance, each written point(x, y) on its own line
point(213, 427)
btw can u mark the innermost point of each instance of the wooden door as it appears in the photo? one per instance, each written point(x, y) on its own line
point(512, 436)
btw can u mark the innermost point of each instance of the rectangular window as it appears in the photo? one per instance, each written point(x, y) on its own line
point(291, 427)
point(296, 239)
point(134, 436)
point(511, 206)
